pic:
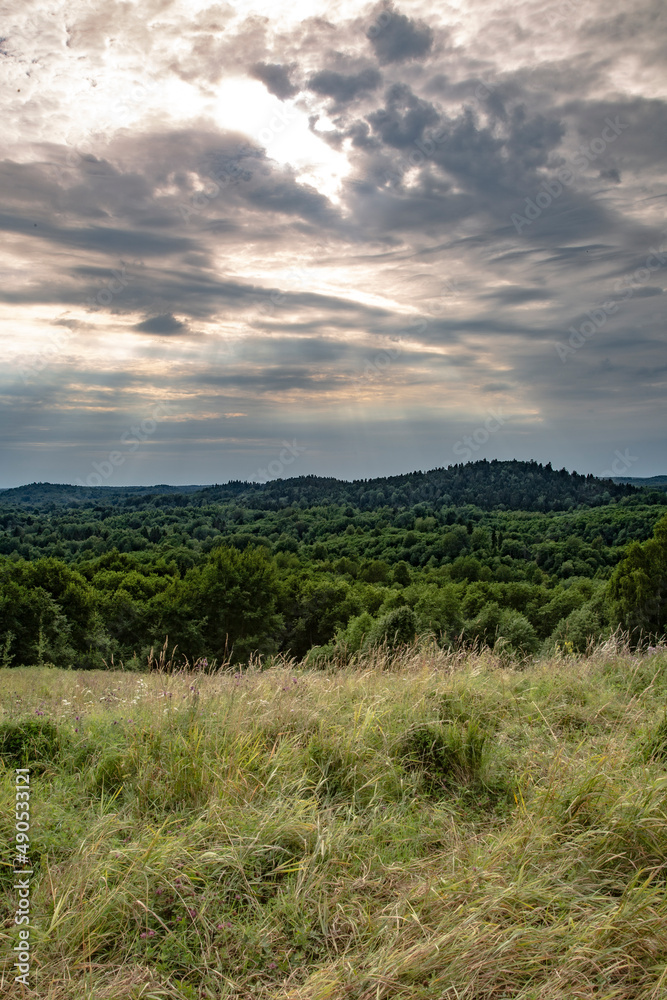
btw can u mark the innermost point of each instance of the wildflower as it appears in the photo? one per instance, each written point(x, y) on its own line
point(192, 912)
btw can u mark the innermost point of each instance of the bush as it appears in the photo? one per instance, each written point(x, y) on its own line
point(355, 635)
point(583, 625)
point(396, 628)
point(510, 629)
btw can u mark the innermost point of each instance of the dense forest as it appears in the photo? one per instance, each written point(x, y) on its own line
point(514, 553)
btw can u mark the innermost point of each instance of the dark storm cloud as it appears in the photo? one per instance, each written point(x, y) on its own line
point(275, 78)
point(260, 292)
point(396, 38)
point(344, 88)
point(167, 325)
point(403, 119)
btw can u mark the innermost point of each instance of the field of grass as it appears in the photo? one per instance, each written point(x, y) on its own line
point(433, 826)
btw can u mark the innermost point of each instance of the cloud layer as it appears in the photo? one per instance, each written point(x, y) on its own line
point(365, 230)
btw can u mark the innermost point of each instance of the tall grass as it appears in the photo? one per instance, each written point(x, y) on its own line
point(423, 825)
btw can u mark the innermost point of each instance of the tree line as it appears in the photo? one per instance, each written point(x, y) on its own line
point(85, 584)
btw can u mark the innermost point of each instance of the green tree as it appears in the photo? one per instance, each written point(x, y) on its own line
point(638, 586)
point(237, 593)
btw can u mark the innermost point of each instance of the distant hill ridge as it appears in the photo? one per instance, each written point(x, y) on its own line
point(511, 485)
point(660, 482)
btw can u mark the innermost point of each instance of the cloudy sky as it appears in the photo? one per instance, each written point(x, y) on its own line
point(252, 239)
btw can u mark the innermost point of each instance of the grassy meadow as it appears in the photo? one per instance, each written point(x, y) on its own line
point(426, 825)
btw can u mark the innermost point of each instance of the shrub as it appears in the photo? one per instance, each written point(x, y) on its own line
point(396, 628)
point(581, 626)
point(509, 628)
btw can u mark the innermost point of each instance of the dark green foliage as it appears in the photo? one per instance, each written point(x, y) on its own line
point(638, 587)
point(582, 626)
point(452, 753)
point(396, 628)
point(401, 574)
point(32, 743)
point(89, 578)
point(494, 624)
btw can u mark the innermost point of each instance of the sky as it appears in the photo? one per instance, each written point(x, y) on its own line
point(255, 240)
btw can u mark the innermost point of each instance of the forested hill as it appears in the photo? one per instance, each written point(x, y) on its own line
point(64, 495)
point(492, 485)
point(488, 485)
point(653, 482)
